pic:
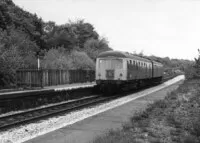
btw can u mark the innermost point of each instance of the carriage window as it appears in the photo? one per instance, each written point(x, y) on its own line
point(130, 62)
point(111, 63)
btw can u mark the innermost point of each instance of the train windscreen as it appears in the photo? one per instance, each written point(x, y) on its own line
point(110, 64)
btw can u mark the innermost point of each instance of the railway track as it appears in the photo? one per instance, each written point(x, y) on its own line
point(9, 121)
point(32, 115)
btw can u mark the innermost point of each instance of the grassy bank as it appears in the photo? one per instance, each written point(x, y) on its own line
point(176, 119)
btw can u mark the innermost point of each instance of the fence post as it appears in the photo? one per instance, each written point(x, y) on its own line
point(17, 78)
point(41, 77)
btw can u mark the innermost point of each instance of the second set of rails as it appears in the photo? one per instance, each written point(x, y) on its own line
point(12, 120)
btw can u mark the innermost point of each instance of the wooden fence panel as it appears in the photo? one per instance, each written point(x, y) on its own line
point(49, 77)
point(29, 78)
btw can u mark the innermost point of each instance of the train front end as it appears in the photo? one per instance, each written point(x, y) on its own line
point(110, 73)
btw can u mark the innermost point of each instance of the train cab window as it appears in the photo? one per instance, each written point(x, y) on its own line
point(111, 63)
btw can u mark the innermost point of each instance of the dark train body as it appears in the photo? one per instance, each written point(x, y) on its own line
point(116, 70)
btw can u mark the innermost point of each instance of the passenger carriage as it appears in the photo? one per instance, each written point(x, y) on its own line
point(116, 69)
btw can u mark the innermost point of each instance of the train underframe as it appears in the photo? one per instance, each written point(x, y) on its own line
point(110, 87)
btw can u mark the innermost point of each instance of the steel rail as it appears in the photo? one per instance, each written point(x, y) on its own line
point(42, 113)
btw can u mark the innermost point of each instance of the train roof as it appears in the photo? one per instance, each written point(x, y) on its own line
point(157, 63)
point(119, 54)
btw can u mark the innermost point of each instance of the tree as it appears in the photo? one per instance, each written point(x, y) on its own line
point(93, 47)
point(197, 65)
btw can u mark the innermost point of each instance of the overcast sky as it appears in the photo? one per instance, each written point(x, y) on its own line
point(156, 27)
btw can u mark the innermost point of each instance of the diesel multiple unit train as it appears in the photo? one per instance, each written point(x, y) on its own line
point(116, 70)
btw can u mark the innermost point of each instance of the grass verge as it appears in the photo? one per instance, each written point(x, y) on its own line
point(175, 119)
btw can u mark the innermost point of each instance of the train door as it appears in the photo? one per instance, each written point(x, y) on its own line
point(136, 70)
point(129, 69)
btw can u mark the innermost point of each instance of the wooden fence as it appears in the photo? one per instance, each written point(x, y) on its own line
point(50, 77)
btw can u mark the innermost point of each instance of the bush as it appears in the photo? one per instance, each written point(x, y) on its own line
point(63, 59)
point(82, 61)
point(56, 59)
point(193, 71)
point(190, 72)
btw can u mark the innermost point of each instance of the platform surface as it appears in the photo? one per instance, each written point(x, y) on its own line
point(88, 129)
point(48, 89)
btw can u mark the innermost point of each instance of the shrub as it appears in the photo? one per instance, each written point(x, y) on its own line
point(63, 59)
point(56, 59)
point(82, 61)
point(190, 72)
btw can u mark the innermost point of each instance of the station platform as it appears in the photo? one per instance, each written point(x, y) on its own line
point(46, 89)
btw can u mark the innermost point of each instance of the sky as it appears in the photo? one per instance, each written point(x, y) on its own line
point(164, 28)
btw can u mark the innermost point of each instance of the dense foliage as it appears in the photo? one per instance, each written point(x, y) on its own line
point(24, 37)
point(193, 70)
